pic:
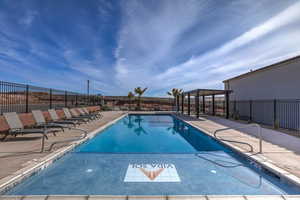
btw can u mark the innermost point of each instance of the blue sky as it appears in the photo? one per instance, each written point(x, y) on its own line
point(159, 44)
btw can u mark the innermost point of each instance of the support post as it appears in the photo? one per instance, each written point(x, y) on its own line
point(178, 105)
point(275, 112)
point(203, 104)
point(250, 110)
point(27, 99)
point(50, 99)
point(197, 104)
point(66, 99)
point(227, 104)
point(76, 100)
point(189, 104)
point(213, 105)
point(182, 103)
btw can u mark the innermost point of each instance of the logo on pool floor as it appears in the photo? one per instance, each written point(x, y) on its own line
point(151, 172)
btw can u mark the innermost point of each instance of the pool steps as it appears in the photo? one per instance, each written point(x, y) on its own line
point(264, 162)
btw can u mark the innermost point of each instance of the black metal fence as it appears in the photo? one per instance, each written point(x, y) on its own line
point(277, 113)
point(146, 103)
point(25, 98)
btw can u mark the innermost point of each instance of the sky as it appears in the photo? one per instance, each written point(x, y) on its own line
point(160, 44)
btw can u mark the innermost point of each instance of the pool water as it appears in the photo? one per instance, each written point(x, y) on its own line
point(152, 155)
point(150, 134)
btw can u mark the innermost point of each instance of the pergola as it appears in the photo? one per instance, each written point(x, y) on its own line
point(197, 93)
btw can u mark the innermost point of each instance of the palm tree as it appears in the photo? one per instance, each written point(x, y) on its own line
point(130, 97)
point(174, 93)
point(139, 91)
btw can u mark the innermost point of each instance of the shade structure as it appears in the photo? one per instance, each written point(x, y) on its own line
point(207, 92)
point(204, 92)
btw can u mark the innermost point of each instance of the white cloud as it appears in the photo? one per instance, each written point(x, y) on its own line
point(29, 17)
point(148, 38)
point(160, 44)
point(230, 48)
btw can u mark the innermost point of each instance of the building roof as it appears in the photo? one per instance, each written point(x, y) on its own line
point(278, 64)
point(206, 92)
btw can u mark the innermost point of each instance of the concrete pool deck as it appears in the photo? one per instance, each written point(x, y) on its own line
point(273, 153)
point(19, 152)
point(279, 149)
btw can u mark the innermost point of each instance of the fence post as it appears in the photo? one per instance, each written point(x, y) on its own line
point(66, 99)
point(182, 103)
point(203, 104)
point(275, 112)
point(50, 99)
point(234, 106)
point(197, 104)
point(250, 110)
point(177, 98)
point(213, 105)
point(189, 104)
point(227, 104)
point(27, 99)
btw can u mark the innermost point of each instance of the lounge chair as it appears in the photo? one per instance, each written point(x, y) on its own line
point(82, 113)
point(71, 116)
point(16, 127)
point(75, 113)
point(41, 121)
point(97, 114)
point(57, 120)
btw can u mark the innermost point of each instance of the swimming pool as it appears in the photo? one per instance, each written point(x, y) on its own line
point(152, 155)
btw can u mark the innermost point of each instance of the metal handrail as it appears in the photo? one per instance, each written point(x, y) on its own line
point(70, 140)
point(249, 125)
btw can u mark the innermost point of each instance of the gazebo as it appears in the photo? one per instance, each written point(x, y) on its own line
point(197, 93)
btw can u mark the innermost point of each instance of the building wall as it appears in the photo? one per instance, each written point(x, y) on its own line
point(281, 82)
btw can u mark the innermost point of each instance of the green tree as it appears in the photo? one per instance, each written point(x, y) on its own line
point(139, 91)
point(130, 97)
point(174, 93)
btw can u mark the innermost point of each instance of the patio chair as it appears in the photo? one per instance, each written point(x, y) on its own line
point(75, 113)
point(57, 120)
point(82, 113)
point(16, 127)
point(71, 116)
point(41, 121)
point(97, 114)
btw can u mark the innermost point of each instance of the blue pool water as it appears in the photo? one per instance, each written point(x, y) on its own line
point(150, 134)
point(203, 165)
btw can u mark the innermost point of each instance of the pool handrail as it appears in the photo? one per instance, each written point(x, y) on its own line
point(84, 135)
point(242, 127)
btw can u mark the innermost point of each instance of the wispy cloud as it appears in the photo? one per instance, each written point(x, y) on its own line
point(249, 50)
point(29, 17)
point(119, 45)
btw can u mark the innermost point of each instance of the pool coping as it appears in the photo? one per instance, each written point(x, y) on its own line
point(153, 197)
point(258, 158)
point(10, 181)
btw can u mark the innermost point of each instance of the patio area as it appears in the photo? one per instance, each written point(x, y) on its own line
point(22, 151)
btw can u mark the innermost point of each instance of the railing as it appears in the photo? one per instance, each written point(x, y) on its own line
point(239, 128)
point(68, 140)
point(146, 104)
point(24, 98)
point(279, 113)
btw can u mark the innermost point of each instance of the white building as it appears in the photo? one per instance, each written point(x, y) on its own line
point(276, 81)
